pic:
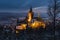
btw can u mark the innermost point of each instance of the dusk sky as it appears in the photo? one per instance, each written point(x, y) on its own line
point(22, 6)
point(8, 5)
point(15, 5)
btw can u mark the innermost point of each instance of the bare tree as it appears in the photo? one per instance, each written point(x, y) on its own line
point(54, 10)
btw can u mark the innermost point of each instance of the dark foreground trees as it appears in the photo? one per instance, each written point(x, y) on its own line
point(53, 12)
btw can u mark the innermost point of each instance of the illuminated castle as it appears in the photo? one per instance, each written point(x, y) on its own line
point(37, 23)
point(30, 15)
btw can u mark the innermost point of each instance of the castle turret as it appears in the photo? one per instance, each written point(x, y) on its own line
point(39, 17)
point(30, 15)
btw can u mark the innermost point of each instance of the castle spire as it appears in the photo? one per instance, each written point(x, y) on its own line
point(38, 14)
point(30, 9)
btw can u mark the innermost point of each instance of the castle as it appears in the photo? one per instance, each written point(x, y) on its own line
point(30, 21)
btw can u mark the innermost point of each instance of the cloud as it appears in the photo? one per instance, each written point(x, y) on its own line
point(14, 11)
point(42, 9)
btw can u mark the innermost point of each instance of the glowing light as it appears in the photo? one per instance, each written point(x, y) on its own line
point(29, 17)
point(17, 31)
point(24, 26)
point(21, 27)
point(37, 24)
point(43, 25)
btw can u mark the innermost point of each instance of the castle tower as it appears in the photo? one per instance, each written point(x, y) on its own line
point(30, 15)
point(39, 17)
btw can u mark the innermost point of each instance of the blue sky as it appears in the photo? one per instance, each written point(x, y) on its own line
point(21, 4)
